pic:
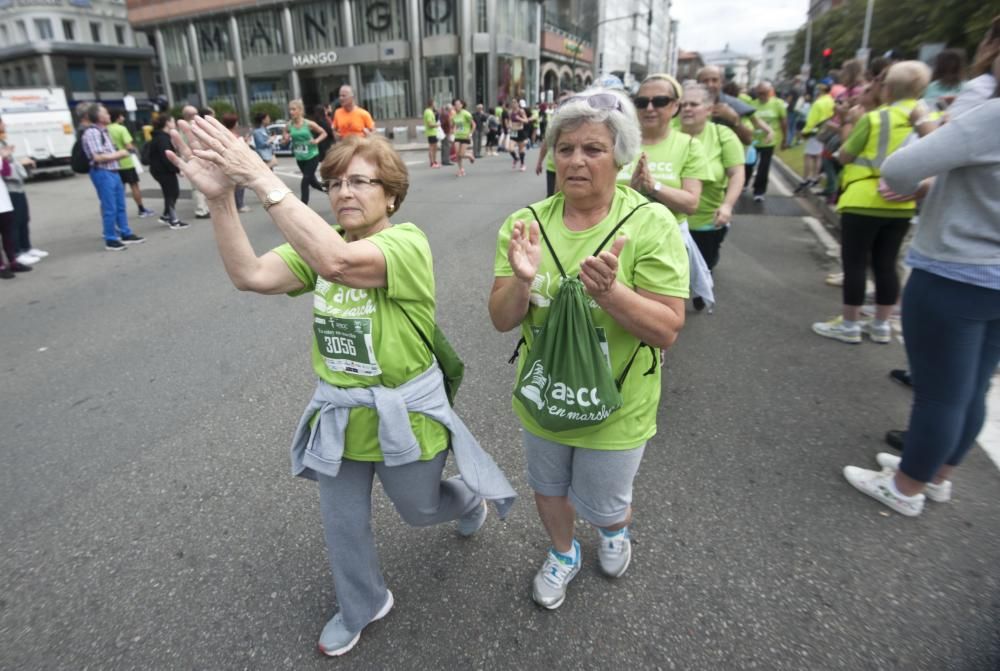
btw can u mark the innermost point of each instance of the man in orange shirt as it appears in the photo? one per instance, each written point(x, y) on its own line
point(349, 119)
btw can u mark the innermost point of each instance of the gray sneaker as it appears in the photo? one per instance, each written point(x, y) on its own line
point(880, 333)
point(549, 587)
point(336, 640)
point(614, 554)
point(472, 521)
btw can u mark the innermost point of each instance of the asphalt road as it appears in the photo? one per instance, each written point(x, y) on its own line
point(150, 520)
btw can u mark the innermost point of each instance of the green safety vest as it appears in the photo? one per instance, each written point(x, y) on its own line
point(889, 126)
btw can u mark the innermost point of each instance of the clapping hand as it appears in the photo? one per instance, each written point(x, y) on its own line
point(525, 251)
point(642, 180)
point(213, 159)
point(599, 274)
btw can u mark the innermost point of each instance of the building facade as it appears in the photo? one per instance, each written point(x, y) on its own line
point(84, 46)
point(396, 54)
point(567, 54)
point(735, 66)
point(635, 38)
point(774, 48)
point(688, 64)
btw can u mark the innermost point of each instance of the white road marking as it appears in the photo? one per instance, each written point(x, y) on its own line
point(829, 243)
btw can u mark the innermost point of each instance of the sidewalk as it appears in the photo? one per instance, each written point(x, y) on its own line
point(826, 227)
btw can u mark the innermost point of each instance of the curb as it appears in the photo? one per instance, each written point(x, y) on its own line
point(826, 214)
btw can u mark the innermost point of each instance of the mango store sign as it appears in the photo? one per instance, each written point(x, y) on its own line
point(313, 59)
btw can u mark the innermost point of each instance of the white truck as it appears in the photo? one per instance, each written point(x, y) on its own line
point(40, 127)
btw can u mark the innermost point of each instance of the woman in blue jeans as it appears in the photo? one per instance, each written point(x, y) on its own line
point(951, 305)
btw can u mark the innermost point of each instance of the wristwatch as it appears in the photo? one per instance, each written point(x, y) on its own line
point(274, 197)
point(656, 187)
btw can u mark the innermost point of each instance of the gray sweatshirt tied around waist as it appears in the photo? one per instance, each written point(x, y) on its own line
point(320, 448)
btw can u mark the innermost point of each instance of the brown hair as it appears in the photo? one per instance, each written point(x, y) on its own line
point(230, 119)
point(390, 169)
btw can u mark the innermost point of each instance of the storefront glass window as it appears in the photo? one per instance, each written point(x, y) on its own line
point(79, 80)
point(271, 89)
point(511, 80)
point(517, 19)
point(213, 41)
point(385, 90)
point(133, 78)
point(316, 26)
point(175, 43)
point(261, 33)
point(221, 89)
point(106, 78)
point(442, 78)
point(379, 20)
point(184, 92)
point(481, 24)
point(440, 17)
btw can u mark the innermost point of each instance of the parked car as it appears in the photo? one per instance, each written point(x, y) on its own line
point(277, 130)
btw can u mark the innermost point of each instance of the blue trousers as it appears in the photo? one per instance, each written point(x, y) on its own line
point(952, 333)
point(111, 193)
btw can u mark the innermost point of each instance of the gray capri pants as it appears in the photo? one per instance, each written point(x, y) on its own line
point(598, 482)
point(421, 498)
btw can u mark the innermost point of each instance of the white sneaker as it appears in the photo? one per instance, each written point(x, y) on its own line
point(877, 484)
point(27, 259)
point(549, 586)
point(937, 492)
point(881, 334)
point(835, 329)
point(614, 553)
point(40, 253)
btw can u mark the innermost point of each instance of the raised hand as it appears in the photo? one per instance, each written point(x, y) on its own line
point(599, 274)
point(641, 179)
point(525, 251)
point(213, 159)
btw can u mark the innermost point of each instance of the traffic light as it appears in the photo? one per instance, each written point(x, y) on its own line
point(827, 58)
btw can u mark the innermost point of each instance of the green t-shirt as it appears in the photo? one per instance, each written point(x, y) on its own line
point(462, 122)
point(771, 112)
point(121, 138)
point(302, 146)
point(654, 259)
point(361, 337)
point(722, 150)
point(672, 160)
point(430, 123)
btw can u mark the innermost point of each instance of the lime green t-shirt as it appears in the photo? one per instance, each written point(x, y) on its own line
point(654, 259)
point(362, 338)
point(121, 138)
point(771, 112)
point(462, 122)
point(675, 158)
point(722, 150)
point(430, 123)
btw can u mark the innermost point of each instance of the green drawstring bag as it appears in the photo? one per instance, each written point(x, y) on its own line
point(566, 382)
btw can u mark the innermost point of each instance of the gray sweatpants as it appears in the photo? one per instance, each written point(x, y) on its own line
point(421, 498)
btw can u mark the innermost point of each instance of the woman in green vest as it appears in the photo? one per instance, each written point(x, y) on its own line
point(305, 136)
point(871, 226)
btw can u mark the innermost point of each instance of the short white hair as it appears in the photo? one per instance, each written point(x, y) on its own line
point(623, 122)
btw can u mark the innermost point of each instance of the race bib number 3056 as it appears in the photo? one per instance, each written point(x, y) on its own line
point(346, 345)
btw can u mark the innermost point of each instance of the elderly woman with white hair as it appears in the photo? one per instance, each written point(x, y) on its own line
point(633, 290)
point(873, 227)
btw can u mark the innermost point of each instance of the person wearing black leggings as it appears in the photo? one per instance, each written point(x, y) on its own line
point(306, 136)
point(163, 171)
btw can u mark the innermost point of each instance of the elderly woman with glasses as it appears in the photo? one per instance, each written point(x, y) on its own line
point(672, 166)
point(636, 288)
point(710, 221)
point(380, 406)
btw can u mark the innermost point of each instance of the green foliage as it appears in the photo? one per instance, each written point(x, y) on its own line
point(175, 111)
point(221, 107)
point(271, 109)
point(902, 26)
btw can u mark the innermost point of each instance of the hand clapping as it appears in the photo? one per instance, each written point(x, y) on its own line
point(599, 274)
point(212, 158)
point(525, 251)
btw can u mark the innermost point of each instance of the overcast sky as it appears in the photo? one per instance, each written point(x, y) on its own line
point(707, 25)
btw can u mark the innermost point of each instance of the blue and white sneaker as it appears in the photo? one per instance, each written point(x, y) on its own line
point(549, 587)
point(336, 640)
point(614, 553)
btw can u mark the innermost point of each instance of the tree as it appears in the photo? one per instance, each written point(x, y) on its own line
point(901, 25)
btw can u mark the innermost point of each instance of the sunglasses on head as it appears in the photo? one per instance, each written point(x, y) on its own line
point(642, 102)
point(600, 101)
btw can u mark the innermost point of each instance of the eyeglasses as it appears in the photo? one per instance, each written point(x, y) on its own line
point(600, 101)
point(690, 105)
point(642, 102)
point(355, 182)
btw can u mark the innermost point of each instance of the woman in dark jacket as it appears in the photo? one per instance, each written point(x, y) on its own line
point(163, 170)
point(319, 116)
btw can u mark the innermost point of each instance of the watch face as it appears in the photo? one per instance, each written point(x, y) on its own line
point(276, 195)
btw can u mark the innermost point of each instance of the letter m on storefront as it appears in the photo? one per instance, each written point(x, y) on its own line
point(313, 59)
